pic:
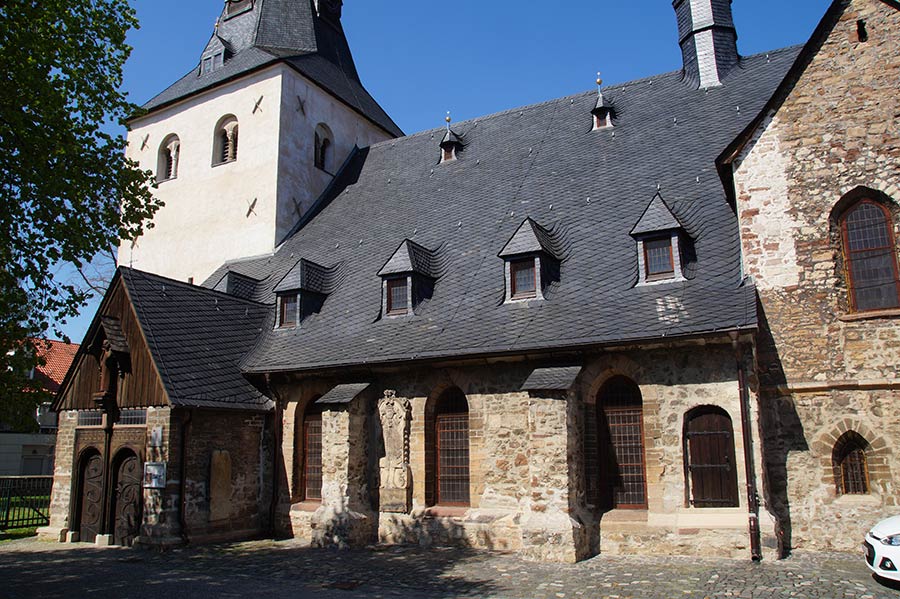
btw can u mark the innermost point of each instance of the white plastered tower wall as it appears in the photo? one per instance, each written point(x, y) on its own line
point(207, 218)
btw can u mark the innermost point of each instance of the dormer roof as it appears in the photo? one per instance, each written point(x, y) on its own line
point(310, 277)
point(411, 257)
point(657, 217)
point(531, 238)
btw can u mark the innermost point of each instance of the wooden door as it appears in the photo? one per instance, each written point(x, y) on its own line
point(90, 507)
point(126, 510)
point(709, 437)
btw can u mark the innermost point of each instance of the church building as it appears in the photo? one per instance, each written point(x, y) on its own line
point(657, 317)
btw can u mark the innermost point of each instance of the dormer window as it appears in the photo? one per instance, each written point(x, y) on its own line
point(303, 291)
point(397, 296)
point(602, 118)
point(532, 260)
point(235, 7)
point(288, 312)
point(451, 145)
point(408, 278)
point(659, 260)
point(523, 278)
point(660, 244)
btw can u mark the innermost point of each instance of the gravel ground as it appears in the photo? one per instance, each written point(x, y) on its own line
point(29, 568)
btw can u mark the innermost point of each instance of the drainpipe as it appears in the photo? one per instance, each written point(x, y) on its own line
point(277, 433)
point(186, 424)
point(749, 464)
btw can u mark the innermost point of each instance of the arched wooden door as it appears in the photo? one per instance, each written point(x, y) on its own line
point(709, 448)
point(126, 506)
point(90, 497)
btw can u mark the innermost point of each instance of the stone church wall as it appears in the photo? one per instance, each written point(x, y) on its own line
point(528, 461)
point(824, 369)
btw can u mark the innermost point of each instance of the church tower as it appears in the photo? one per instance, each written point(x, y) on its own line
point(708, 40)
point(244, 144)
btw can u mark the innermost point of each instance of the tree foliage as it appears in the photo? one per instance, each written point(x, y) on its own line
point(67, 192)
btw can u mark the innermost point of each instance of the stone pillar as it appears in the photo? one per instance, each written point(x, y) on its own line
point(551, 527)
point(161, 523)
point(63, 480)
point(345, 518)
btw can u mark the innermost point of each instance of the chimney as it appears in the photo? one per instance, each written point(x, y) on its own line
point(708, 40)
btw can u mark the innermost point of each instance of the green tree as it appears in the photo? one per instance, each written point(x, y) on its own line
point(67, 192)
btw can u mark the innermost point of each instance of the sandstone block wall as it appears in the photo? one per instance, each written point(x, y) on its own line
point(61, 493)
point(823, 368)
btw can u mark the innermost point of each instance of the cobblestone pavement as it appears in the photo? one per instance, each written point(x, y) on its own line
point(285, 569)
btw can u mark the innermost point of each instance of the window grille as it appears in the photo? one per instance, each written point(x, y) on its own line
point(523, 278)
point(851, 466)
point(623, 463)
point(658, 258)
point(132, 417)
point(871, 258)
point(90, 418)
point(397, 296)
point(450, 450)
point(312, 457)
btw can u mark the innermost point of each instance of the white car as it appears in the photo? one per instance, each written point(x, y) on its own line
point(883, 549)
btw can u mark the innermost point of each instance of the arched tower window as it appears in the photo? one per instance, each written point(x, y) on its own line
point(311, 464)
point(870, 257)
point(623, 470)
point(709, 460)
point(447, 450)
point(324, 148)
point(225, 144)
point(851, 467)
point(167, 165)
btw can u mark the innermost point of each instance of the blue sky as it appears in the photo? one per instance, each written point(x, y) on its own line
point(420, 59)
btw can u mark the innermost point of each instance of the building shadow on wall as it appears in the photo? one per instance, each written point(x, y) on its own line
point(254, 569)
point(782, 431)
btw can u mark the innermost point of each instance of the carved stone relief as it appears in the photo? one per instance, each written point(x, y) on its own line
point(394, 466)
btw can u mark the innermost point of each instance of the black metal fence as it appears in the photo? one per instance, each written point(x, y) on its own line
point(24, 501)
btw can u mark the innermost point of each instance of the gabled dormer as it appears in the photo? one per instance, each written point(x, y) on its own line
point(531, 262)
point(303, 291)
point(408, 278)
point(660, 239)
point(603, 110)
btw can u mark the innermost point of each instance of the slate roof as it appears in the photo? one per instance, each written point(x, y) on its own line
point(531, 238)
point(559, 378)
point(411, 257)
point(343, 394)
point(542, 162)
point(196, 338)
point(657, 217)
point(309, 276)
point(285, 31)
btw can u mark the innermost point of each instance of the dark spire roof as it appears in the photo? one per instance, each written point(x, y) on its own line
point(282, 30)
point(657, 217)
point(451, 139)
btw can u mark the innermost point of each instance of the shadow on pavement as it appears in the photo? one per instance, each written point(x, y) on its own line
point(237, 570)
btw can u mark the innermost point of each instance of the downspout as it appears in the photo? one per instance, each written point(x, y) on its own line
point(186, 425)
point(277, 433)
point(749, 462)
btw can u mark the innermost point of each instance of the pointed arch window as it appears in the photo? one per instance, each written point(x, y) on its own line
point(870, 257)
point(851, 467)
point(225, 148)
point(169, 153)
point(623, 468)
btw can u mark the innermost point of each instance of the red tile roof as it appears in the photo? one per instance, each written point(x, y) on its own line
point(58, 356)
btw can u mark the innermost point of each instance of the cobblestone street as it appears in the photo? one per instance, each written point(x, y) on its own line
point(265, 568)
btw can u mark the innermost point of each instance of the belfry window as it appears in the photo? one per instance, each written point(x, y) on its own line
point(324, 148)
point(226, 141)
point(870, 257)
point(169, 153)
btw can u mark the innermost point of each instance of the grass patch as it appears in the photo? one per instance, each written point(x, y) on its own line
point(17, 533)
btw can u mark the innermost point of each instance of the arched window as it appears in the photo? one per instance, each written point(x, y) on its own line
point(870, 257)
point(323, 148)
point(851, 467)
point(225, 144)
point(311, 465)
point(447, 450)
point(623, 471)
point(167, 165)
point(710, 468)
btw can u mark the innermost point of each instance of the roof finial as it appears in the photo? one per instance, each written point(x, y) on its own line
point(216, 26)
point(449, 120)
point(599, 81)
